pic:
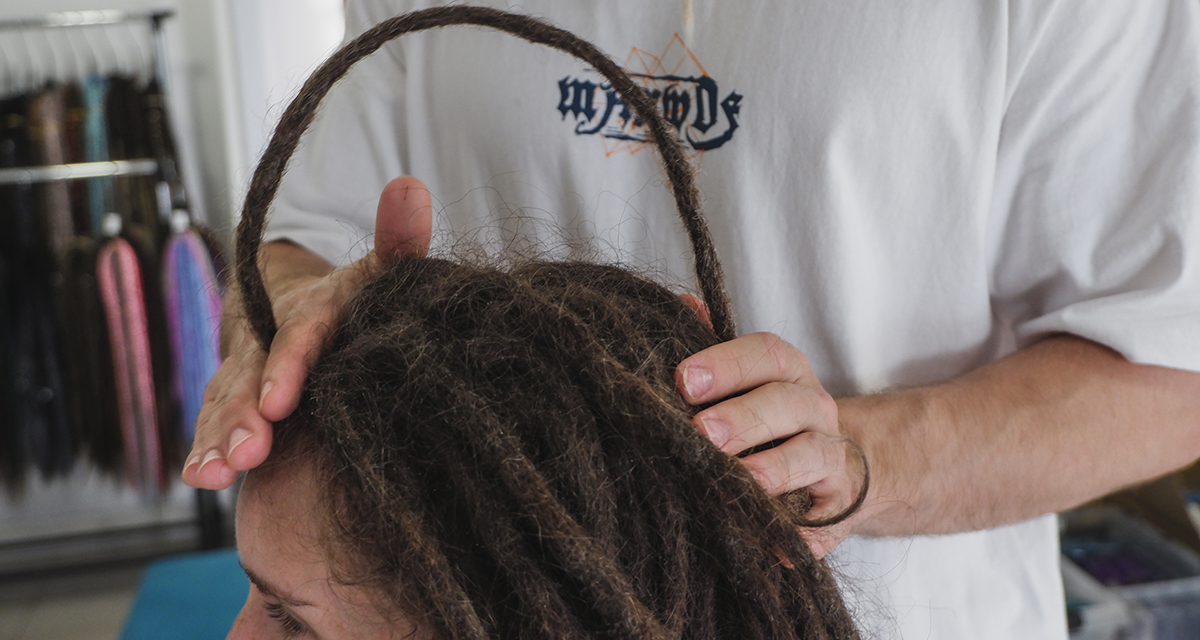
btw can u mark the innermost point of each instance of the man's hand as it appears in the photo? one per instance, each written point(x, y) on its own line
point(782, 399)
point(252, 388)
point(1060, 422)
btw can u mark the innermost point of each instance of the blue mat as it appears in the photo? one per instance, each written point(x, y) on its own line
point(192, 597)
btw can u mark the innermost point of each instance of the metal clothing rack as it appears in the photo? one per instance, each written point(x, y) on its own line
point(74, 19)
point(78, 171)
point(71, 548)
point(67, 19)
point(83, 19)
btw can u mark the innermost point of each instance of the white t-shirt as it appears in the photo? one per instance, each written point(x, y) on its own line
point(904, 189)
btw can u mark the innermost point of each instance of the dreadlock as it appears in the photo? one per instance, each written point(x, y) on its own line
point(500, 450)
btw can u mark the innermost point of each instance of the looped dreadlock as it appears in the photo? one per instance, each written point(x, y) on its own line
point(501, 453)
point(300, 113)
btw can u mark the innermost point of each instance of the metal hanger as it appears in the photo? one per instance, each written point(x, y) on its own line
point(99, 65)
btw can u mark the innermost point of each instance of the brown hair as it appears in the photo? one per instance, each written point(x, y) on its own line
point(501, 452)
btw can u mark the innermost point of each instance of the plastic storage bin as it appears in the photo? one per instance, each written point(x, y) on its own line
point(1095, 612)
point(1165, 575)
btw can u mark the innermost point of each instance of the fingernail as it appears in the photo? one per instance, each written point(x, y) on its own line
point(212, 454)
point(716, 430)
point(236, 439)
point(263, 397)
point(698, 381)
point(192, 460)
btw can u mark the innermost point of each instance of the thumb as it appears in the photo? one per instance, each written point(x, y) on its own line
point(404, 219)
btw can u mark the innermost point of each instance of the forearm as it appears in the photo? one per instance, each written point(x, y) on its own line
point(1052, 426)
point(284, 265)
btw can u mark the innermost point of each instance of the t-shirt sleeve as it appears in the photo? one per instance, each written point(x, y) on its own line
point(328, 196)
point(1097, 192)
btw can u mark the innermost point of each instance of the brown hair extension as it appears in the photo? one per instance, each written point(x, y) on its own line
point(501, 453)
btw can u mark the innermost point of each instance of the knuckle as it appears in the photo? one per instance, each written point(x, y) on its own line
point(289, 330)
point(302, 334)
point(756, 471)
point(827, 408)
point(742, 357)
point(221, 417)
point(787, 360)
point(793, 398)
point(742, 424)
point(791, 474)
point(214, 422)
point(759, 415)
point(769, 472)
point(216, 394)
point(303, 307)
point(212, 391)
point(289, 354)
point(780, 355)
point(813, 408)
point(819, 454)
point(833, 456)
point(231, 417)
point(296, 296)
point(754, 416)
point(773, 483)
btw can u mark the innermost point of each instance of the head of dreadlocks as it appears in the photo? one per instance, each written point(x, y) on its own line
point(501, 453)
point(489, 452)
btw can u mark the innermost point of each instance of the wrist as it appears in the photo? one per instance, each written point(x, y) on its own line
point(889, 427)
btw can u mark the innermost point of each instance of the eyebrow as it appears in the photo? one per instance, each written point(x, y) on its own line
point(267, 589)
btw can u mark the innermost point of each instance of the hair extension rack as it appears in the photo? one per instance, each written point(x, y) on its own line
point(129, 213)
point(85, 170)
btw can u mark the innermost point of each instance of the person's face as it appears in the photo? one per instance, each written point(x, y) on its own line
point(292, 593)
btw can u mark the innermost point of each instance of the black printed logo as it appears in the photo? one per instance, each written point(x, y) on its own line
point(685, 94)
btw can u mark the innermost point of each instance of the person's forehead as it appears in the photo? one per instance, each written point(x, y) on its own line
point(279, 546)
point(276, 530)
point(282, 496)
